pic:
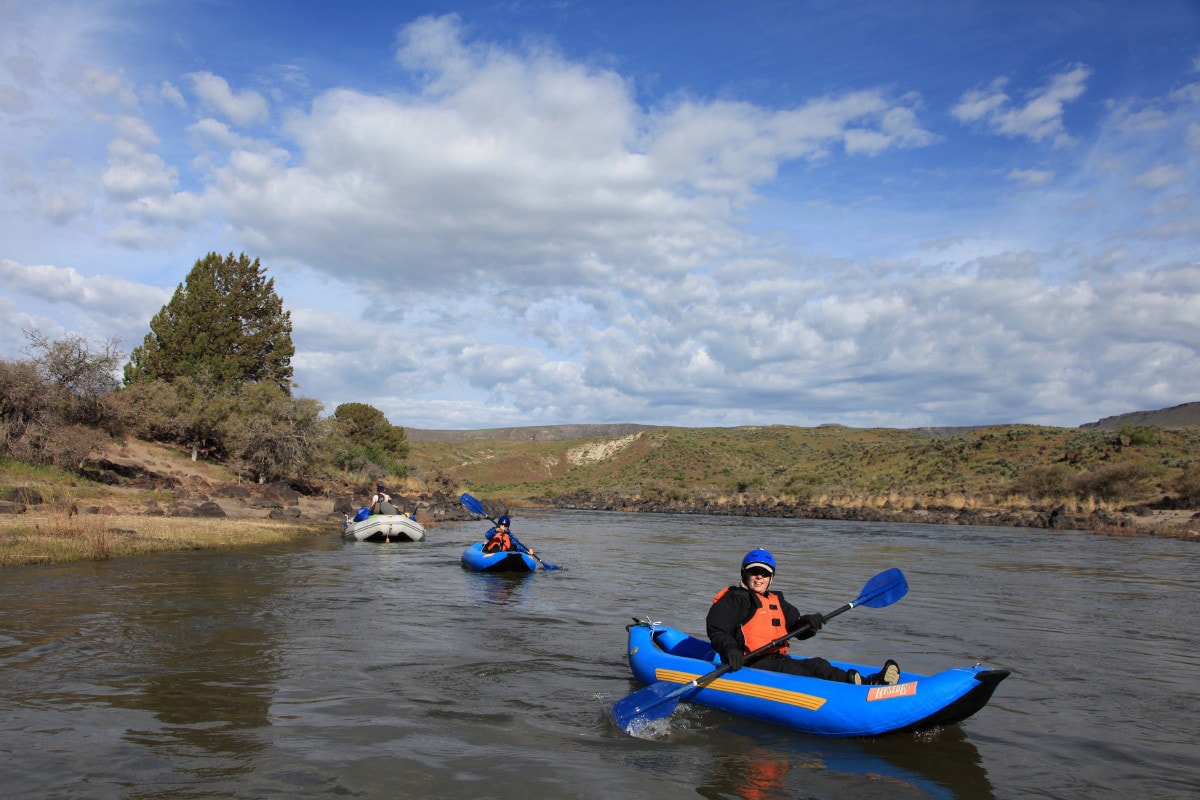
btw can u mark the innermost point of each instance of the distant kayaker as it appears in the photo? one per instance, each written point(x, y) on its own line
point(500, 539)
point(748, 616)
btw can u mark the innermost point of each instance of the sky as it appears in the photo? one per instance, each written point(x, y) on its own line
point(687, 212)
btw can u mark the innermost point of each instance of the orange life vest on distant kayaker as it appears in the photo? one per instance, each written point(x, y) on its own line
point(498, 543)
point(765, 626)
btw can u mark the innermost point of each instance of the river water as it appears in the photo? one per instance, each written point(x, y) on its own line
point(324, 669)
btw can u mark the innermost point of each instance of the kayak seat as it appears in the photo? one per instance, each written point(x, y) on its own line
point(680, 644)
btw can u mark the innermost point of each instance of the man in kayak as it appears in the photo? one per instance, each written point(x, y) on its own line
point(748, 616)
point(500, 539)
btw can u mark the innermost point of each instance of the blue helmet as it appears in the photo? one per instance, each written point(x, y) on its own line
point(759, 558)
point(504, 520)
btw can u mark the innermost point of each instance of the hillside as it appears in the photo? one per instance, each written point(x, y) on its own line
point(531, 433)
point(1180, 416)
point(1012, 474)
point(1111, 475)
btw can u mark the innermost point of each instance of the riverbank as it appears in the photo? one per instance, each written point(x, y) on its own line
point(145, 498)
point(1164, 523)
point(42, 537)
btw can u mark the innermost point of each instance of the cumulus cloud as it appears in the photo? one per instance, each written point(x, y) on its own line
point(246, 107)
point(1039, 118)
point(511, 236)
point(60, 300)
point(531, 168)
point(104, 294)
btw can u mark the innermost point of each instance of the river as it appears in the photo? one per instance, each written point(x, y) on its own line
point(321, 669)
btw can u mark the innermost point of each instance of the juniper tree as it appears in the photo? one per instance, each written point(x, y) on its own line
point(224, 320)
point(368, 438)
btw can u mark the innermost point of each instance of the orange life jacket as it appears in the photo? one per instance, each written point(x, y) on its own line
point(498, 543)
point(765, 626)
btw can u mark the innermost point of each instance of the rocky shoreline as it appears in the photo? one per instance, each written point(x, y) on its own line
point(1133, 521)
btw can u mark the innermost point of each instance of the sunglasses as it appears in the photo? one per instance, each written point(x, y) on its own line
point(758, 572)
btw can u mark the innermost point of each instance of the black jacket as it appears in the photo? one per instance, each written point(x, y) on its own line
point(736, 607)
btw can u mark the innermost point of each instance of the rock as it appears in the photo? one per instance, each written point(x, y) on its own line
point(209, 509)
point(25, 495)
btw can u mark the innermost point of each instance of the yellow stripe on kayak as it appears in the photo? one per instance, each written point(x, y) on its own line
point(808, 701)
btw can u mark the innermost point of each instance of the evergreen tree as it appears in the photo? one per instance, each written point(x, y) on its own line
point(225, 321)
point(369, 439)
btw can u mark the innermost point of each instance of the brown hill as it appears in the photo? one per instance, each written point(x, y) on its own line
point(531, 433)
point(1181, 416)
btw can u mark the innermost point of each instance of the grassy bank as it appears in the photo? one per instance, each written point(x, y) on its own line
point(61, 538)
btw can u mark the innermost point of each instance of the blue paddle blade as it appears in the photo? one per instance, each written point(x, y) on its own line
point(656, 701)
point(471, 504)
point(884, 589)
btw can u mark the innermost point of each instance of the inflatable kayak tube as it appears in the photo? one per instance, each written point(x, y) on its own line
point(918, 702)
point(473, 558)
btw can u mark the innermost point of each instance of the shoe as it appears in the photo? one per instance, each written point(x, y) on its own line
point(852, 676)
point(888, 676)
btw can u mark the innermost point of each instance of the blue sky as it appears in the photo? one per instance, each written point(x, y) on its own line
point(486, 214)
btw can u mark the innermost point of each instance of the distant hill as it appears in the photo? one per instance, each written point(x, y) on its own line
point(1181, 416)
point(533, 433)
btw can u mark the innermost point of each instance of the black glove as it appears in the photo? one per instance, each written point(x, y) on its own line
point(732, 656)
point(813, 622)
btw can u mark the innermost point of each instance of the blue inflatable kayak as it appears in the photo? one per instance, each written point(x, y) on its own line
point(918, 702)
point(473, 558)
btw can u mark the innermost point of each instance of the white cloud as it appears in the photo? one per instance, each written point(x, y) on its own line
point(103, 294)
point(1031, 177)
point(1159, 176)
point(1041, 117)
point(528, 168)
point(99, 85)
point(169, 93)
point(244, 108)
point(508, 235)
point(134, 172)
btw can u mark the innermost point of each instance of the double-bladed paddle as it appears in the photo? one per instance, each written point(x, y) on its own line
point(476, 507)
point(659, 699)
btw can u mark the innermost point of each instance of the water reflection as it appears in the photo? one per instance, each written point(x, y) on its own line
point(200, 655)
point(939, 764)
point(497, 588)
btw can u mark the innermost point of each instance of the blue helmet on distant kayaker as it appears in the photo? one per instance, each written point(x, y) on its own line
point(504, 521)
point(759, 558)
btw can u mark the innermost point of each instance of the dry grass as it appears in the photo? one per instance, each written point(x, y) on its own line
point(61, 537)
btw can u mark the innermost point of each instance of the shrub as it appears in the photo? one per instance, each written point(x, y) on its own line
point(1112, 482)
point(1187, 485)
point(1043, 481)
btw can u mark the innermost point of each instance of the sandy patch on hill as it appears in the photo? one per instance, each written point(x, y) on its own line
point(599, 451)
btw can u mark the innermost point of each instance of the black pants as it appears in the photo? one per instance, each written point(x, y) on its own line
point(808, 667)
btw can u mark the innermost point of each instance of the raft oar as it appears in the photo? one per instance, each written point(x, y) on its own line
point(659, 699)
point(476, 507)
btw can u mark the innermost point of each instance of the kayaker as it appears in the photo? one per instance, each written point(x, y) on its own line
point(501, 539)
point(745, 617)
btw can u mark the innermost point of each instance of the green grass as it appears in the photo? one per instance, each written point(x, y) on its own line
point(998, 464)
